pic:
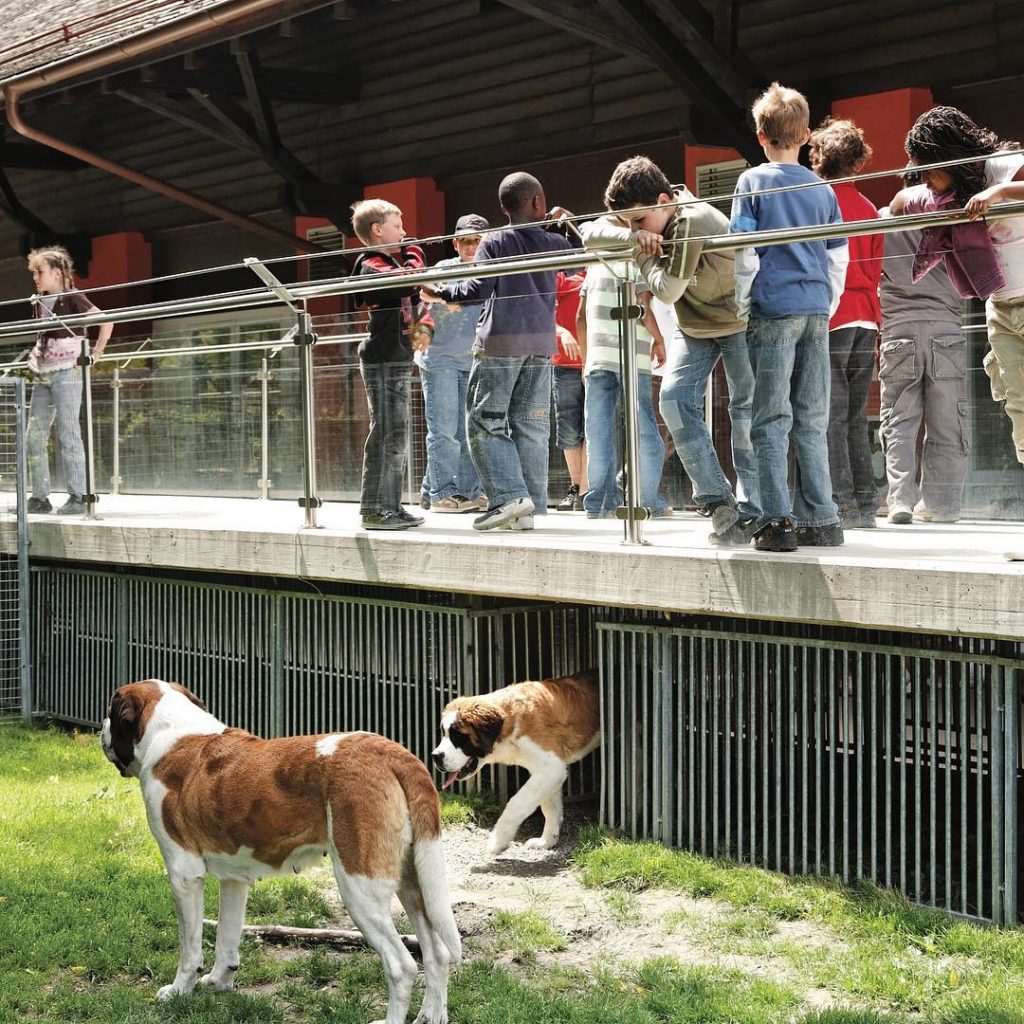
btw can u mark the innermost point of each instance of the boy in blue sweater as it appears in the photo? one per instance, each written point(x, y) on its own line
point(509, 400)
point(789, 292)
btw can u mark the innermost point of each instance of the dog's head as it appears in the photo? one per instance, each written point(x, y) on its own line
point(470, 728)
point(130, 710)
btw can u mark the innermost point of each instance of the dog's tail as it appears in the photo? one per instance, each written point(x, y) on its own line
point(427, 852)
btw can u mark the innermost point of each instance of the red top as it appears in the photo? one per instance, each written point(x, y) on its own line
point(860, 296)
point(567, 302)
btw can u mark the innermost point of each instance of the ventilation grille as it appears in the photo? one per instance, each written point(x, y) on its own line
point(323, 268)
point(720, 180)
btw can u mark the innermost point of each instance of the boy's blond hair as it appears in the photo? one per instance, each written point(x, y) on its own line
point(782, 115)
point(368, 212)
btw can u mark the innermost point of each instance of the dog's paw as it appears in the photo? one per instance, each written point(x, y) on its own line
point(540, 843)
point(496, 846)
point(215, 984)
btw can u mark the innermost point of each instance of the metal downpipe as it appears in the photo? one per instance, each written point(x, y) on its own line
point(22, 86)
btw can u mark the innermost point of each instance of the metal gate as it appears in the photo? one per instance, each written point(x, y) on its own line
point(895, 764)
point(15, 698)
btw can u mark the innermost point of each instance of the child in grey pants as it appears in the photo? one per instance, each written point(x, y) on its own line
point(923, 374)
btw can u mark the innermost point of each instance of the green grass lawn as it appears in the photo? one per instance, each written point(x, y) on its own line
point(87, 932)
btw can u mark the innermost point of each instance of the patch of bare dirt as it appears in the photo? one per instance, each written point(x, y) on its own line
point(602, 928)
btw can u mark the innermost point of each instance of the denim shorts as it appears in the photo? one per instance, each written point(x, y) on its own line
point(567, 390)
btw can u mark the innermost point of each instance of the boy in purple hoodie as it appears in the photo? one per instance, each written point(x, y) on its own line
point(509, 399)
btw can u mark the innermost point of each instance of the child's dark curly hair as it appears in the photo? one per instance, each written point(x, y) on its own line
point(838, 148)
point(945, 133)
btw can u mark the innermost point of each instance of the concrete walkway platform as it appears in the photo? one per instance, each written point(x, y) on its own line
point(933, 578)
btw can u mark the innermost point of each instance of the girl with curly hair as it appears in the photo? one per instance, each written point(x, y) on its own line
point(946, 133)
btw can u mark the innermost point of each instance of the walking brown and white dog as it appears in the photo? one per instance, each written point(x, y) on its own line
point(223, 802)
point(542, 726)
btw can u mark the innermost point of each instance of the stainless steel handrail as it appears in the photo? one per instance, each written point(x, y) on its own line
point(226, 301)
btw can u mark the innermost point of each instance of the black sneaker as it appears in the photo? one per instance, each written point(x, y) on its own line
point(734, 537)
point(577, 505)
point(74, 506)
point(425, 502)
point(408, 517)
point(776, 535)
point(568, 503)
point(502, 514)
point(820, 536)
point(39, 506)
point(387, 520)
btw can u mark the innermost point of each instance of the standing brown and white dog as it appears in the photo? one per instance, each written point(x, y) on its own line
point(542, 726)
point(223, 802)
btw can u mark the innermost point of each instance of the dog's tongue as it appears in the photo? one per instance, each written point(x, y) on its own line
point(452, 776)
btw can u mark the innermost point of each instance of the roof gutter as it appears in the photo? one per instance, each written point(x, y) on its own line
point(224, 21)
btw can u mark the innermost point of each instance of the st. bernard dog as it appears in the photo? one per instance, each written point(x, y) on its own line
point(542, 726)
point(226, 803)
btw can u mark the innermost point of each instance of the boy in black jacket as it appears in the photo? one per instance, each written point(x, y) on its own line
point(399, 324)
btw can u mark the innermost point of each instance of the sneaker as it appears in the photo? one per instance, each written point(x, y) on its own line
point(927, 515)
point(568, 503)
point(455, 503)
point(900, 515)
point(736, 536)
point(776, 535)
point(859, 521)
point(522, 523)
point(425, 502)
point(386, 520)
point(723, 515)
point(408, 517)
point(74, 506)
point(577, 505)
point(830, 536)
point(39, 506)
point(478, 503)
point(501, 514)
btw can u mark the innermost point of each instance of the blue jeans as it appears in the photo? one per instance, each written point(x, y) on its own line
point(450, 468)
point(509, 417)
point(603, 399)
point(792, 376)
point(56, 395)
point(567, 389)
point(387, 443)
point(690, 363)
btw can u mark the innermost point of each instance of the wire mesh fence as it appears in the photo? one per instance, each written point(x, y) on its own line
point(13, 565)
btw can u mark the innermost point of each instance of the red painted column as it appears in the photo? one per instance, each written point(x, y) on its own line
point(117, 260)
point(885, 118)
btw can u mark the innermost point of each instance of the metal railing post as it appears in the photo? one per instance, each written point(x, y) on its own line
point(1011, 810)
point(306, 339)
point(627, 314)
point(24, 579)
point(264, 378)
point(115, 466)
point(85, 362)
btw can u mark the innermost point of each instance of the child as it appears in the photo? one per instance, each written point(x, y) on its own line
point(790, 291)
point(838, 150)
point(923, 375)
point(598, 334)
point(398, 324)
point(567, 391)
point(509, 396)
point(945, 133)
point(702, 289)
point(57, 391)
point(451, 482)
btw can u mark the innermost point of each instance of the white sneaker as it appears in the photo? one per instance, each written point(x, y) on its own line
point(502, 514)
point(901, 515)
point(522, 523)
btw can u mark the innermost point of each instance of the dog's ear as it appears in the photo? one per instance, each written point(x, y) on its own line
point(125, 724)
point(191, 696)
point(487, 722)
